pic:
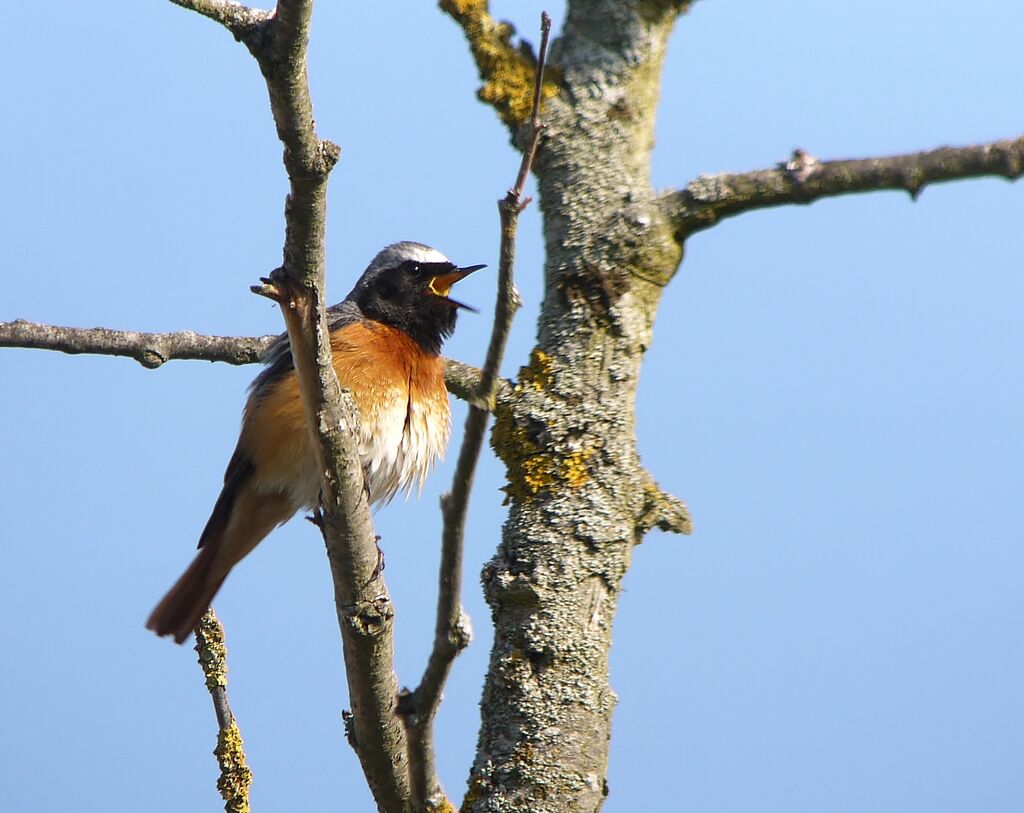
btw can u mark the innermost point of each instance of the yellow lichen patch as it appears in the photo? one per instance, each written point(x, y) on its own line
point(538, 473)
point(537, 373)
point(507, 72)
point(235, 776)
point(213, 656)
point(574, 469)
point(512, 445)
point(530, 469)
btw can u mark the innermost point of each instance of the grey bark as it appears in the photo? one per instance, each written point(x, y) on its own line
point(576, 487)
point(804, 179)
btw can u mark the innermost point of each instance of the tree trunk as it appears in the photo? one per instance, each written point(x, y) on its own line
point(578, 496)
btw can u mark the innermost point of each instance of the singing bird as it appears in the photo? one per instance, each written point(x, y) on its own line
point(386, 339)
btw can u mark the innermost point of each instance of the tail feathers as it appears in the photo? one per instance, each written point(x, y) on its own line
point(180, 610)
point(229, 537)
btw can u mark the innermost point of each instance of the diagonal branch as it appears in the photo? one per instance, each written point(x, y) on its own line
point(451, 631)
point(805, 179)
point(238, 19)
point(363, 605)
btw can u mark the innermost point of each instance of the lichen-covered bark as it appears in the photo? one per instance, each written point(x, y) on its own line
point(508, 72)
point(575, 486)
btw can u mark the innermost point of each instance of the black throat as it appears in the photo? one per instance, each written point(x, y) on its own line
point(428, 320)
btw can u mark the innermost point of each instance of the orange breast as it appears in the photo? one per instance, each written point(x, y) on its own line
point(402, 401)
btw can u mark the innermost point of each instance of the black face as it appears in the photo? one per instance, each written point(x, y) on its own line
point(412, 296)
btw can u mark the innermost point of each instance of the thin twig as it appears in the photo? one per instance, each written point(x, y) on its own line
point(535, 124)
point(804, 179)
point(451, 632)
point(235, 775)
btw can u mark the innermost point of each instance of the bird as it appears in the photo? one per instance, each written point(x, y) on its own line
point(386, 338)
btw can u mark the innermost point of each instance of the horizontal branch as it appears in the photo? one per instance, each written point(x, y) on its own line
point(463, 381)
point(805, 179)
point(152, 350)
point(149, 349)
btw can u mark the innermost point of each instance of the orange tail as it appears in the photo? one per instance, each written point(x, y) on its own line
point(180, 610)
point(240, 519)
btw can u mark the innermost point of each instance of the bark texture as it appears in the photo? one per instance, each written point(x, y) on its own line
point(576, 490)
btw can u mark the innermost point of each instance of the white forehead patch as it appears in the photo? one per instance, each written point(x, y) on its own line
point(421, 253)
point(398, 253)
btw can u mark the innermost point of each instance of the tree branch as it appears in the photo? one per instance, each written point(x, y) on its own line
point(662, 510)
point(508, 73)
point(238, 19)
point(235, 776)
point(463, 381)
point(364, 608)
point(152, 350)
point(805, 179)
point(451, 630)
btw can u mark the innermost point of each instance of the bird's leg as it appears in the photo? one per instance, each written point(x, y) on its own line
point(317, 518)
point(379, 567)
point(366, 486)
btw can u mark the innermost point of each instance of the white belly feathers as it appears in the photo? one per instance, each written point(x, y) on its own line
point(400, 438)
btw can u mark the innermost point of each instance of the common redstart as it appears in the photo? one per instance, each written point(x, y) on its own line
point(386, 339)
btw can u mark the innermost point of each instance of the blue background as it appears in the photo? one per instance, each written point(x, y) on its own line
point(835, 390)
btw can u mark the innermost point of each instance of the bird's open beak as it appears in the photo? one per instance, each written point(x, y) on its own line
point(441, 285)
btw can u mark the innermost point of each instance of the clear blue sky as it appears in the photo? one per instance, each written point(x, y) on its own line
point(836, 391)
